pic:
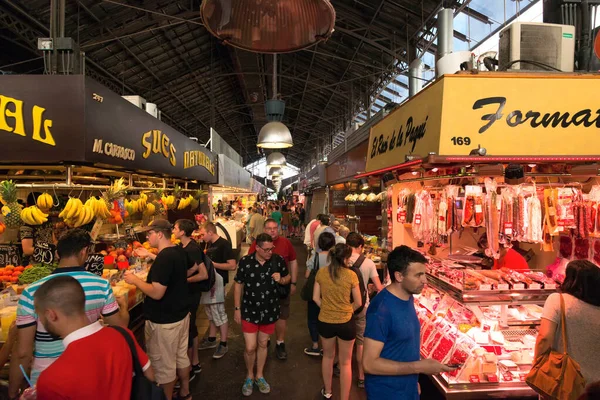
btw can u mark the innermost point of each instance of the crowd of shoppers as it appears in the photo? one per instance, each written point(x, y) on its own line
point(58, 329)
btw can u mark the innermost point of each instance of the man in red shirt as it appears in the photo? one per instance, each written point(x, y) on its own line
point(285, 249)
point(510, 258)
point(97, 362)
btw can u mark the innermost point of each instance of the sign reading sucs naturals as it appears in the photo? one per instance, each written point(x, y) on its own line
point(140, 141)
point(61, 119)
point(536, 115)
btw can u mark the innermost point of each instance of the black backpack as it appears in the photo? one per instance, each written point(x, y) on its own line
point(141, 387)
point(361, 283)
point(207, 284)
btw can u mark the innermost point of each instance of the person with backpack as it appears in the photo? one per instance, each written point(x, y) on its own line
point(214, 307)
point(313, 265)
point(337, 292)
point(367, 270)
point(97, 362)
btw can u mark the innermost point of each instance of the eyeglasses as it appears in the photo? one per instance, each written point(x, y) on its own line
point(269, 250)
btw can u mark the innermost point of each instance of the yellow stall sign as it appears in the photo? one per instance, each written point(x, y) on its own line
point(508, 114)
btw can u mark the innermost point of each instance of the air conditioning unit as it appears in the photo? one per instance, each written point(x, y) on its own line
point(137, 101)
point(549, 44)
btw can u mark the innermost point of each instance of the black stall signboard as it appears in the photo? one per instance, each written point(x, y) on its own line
point(95, 264)
point(51, 118)
point(10, 255)
point(339, 198)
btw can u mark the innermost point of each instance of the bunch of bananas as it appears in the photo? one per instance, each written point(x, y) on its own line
point(136, 206)
point(168, 201)
point(72, 209)
point(99, 207)
point(185, 202)
point(85, 216)
point(33, 215)
point(150, 209)
point(45, 202)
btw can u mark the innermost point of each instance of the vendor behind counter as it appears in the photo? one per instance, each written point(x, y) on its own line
point(509, 257)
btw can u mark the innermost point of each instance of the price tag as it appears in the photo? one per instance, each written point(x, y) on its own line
point(96, 228)
point(535, 286)
point(402, 217)
point(492, 377)
point(550, 286)
point(503, 286)
point(418, 219)
point(474, 378)
point(522, 377)
point(519, 286)
point(508, 228)
point(507, 376)
point(485, 287)
point(478, 208)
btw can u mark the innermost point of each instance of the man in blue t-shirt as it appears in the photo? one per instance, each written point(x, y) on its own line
point(391, 357)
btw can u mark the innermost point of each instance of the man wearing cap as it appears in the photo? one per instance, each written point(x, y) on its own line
point(166, 310)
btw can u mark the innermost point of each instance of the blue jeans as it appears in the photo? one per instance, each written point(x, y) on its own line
point(312, 320)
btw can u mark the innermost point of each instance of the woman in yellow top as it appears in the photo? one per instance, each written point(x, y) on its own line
point(333, 285)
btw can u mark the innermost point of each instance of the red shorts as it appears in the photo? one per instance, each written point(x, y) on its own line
point(249, 327)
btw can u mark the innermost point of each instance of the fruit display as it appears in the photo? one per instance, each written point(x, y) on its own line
point(185, 202)
point(168, 201)
point(45, 202)
point(11, 210)
point(99, 207)
point(10, 273)
point(33, 215)
point(31, 274)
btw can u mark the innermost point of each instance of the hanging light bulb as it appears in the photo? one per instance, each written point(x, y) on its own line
point(276, 159)
point(269, 26)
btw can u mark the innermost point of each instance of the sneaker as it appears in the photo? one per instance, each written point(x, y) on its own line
point(336, 369)
point(361, 384)
point(221, 351)
point(280, 350)
point(196, 369)
point(263, 386)
point(326, 395)
point(309, 351)
point(192, 375)
point(206, 344)
point(247, 388)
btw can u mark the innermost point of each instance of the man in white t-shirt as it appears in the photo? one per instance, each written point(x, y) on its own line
point(214, 306)
point(368, 271)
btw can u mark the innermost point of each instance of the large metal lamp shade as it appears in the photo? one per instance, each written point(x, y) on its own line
point(276, 159)
point(269, 26)
point(275, 135)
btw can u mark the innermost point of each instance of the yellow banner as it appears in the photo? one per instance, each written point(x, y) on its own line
point(413, 128)
point(508, 114)
point(529, 115)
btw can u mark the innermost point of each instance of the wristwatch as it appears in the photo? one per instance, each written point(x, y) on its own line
point(237, 309)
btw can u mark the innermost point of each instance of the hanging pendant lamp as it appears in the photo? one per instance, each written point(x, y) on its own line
point(274, 135)
point(269, 26)
point(276, 159)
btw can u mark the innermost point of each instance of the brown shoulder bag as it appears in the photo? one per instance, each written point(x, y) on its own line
point(556, 375)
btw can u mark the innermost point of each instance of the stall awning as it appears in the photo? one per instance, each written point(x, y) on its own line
point(538, 115)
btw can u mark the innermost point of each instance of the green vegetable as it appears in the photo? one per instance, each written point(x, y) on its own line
point(33, 274)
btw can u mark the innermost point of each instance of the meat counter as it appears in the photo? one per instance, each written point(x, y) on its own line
point(489, 329)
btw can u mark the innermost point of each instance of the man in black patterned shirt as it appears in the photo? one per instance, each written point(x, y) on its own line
point(258, 276)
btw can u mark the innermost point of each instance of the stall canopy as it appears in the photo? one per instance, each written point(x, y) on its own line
point(73, 119)
point(531, 115)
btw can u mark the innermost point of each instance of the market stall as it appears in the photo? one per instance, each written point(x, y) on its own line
point(82, 157)
point(237, 189)
point(461, 190)
point(356, 203)
point(313, 186)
